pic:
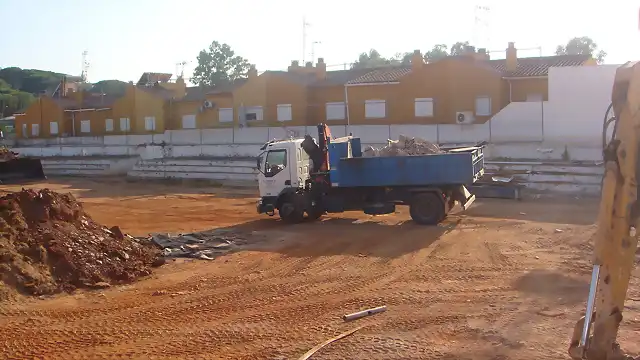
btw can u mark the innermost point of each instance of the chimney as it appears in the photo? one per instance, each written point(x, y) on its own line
point(482, 54)
point(294, 65)
point(308, 65)
point(512, 57)
point(416, 60)
point(321, 69)
point(252, 72)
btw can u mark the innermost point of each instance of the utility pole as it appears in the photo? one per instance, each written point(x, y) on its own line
point(481, 28)
point(304, 39)
point(313, 50)
point(85, 66)
point(180, 68)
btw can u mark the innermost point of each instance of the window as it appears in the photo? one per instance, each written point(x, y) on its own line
point(85, 126)
point(534, 97)
point(53, 128)
point(336, 111)
point(375, 109)
point(253, 113)
point(483, 106)
point(275, 163)
point(24, 130)
point(284, 112)
point(125, 124)
point(423, 107)
point(149, 123)
point(108, 125)
point(225, 114)
point(188, 121)
point(35, 129)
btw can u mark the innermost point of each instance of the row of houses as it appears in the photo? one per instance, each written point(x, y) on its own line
point(469, 88)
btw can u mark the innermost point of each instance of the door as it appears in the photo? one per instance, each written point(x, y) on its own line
point(276, 175)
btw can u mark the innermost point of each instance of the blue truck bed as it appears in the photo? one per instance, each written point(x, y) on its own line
point(461, 166)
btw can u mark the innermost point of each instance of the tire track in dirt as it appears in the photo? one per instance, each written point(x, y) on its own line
point(453, 292)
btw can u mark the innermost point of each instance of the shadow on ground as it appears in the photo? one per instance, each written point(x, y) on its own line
point(574, 211)
point(339, 236)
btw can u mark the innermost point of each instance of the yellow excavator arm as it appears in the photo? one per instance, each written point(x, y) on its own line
point(595, 334)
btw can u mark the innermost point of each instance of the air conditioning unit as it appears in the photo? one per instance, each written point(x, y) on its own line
point(207, 104)
point(464, 117)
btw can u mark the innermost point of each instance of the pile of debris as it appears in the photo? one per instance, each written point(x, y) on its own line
point(404, 146)
point(49, 244)
point(206, 245)
point(6, 154)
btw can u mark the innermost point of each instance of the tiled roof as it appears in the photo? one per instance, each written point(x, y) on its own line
point(227, 87)
point(196, 93)
point(99, 101)
point(538, 66)
point(88, 102)
point(386, 74)
point(158, 91)
point(340, 77)
point(299, 78)
point(66, 103)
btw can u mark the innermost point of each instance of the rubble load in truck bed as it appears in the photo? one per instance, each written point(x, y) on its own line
point(49, 244)
point(404, 146)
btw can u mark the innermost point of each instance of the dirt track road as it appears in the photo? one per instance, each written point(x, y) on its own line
point(499, 282)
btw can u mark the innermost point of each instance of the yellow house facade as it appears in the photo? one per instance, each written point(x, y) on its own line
point(469, 88)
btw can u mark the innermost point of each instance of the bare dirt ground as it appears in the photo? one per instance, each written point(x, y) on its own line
point(506, 280)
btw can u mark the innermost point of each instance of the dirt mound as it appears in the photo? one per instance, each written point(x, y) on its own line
point(49, 244)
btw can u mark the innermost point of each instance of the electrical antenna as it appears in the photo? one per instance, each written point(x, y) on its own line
point(180, 68)
point(481, 26)
point(305, 24)
point(313, 50)
point(85, 66)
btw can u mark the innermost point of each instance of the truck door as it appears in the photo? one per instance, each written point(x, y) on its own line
point(277, 174)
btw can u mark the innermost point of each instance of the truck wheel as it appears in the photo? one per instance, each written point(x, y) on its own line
point(290, 211)
point(314, 214)
point(427, 209)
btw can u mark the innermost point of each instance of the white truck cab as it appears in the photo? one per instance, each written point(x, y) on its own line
point(283, 166)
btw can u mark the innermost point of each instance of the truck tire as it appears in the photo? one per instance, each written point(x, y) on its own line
point(427, 209)
point(315, 213)
point(290, 210)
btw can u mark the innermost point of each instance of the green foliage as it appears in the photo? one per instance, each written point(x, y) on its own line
point(219, 65)
point(582, 46)
point(438, 52)
point(373, 59)
point(19, 87)
point(109, 87)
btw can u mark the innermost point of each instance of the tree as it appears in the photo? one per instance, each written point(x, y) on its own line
point(582, 46)
point(219, 65)
point(403, 59)
point(109, 87)
point(370, 60)
point(12, 100)
point(438, 52)
point(459, 48)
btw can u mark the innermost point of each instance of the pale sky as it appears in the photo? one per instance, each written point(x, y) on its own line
point(125, 38)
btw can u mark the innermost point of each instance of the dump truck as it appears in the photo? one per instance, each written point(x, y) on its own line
point(299, 177)
point(16, 169)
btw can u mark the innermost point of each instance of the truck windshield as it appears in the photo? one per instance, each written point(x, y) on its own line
point(276, 162)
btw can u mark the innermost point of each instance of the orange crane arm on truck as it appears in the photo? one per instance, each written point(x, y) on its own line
point(595, 334)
